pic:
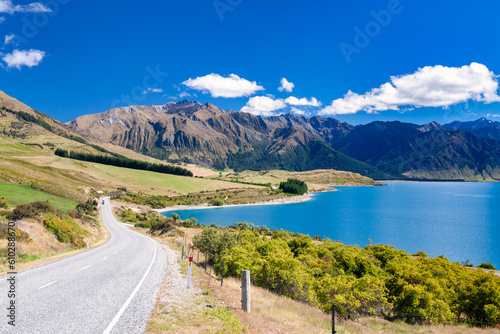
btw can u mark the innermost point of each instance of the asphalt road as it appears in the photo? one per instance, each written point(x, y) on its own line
point(109, 289)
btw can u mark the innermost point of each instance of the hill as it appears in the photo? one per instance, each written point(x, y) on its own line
point(207, 135)
point(28, 140)
point(431, 151)
point(204, 134)
point(483, 128)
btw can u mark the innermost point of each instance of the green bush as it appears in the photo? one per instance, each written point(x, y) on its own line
point(87, 207)
point(65, 229)
point(217, 202)
point(31, 210)
point(163, 225)
point(486, 265)
point(3, 203)
point(143, 225)
point(374, 280)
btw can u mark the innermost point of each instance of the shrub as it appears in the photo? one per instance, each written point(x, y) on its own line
point(486, 265)
point(65, 229)
point(163, 225)
point(21, 236)
point(31, 210)
point(87, 207)
point(217, 202)
point(3, 203)
point(143, 225)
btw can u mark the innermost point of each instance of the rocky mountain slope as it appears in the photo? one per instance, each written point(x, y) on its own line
point(483, 128)
point(207, 135)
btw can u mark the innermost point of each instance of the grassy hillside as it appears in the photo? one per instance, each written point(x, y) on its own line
point(23, 193)
point(317, 180)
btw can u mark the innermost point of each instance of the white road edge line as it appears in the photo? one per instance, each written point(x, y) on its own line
point(84, 268)
point(104, 258)
point(127, 302)
point(46, 285)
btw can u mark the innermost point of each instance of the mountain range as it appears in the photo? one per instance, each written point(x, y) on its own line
point(204, 134)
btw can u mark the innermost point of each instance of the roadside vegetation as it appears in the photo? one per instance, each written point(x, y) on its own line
point(377, 280)
point(42, 231)
point(270, 312)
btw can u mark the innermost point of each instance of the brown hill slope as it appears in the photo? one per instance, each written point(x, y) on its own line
point(207, 135)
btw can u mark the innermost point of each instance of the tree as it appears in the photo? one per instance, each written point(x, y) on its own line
point(213, 243)
point(175, 216)
point(294, 186)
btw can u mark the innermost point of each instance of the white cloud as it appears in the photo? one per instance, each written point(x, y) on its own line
point(219, 86)
point(492, 115)
point(2, 19)
point(9, 38)
point(263, 105)
point(153, 90)
point(313, 102)
point(286, 86)
point(184, 94)
point(298, 111)
point(20, 58)
point(431, 86)
point(6, 6)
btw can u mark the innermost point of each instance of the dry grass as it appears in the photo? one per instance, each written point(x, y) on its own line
point(271, 313)
point(377, 325)
point(317, 180)
point(45, 245)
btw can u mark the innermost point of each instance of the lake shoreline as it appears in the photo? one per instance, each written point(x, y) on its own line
point(285, 200)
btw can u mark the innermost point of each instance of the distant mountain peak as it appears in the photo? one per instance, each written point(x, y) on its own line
point(187, 102)
point(432, 126)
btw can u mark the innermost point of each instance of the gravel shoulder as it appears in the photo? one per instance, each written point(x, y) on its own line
point(189, 310)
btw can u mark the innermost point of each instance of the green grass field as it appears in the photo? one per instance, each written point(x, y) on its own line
point(23, 193)
point(157, 183)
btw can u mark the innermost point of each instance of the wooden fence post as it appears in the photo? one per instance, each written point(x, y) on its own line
point(333, 320)
point(245, 290)
point(222, 273)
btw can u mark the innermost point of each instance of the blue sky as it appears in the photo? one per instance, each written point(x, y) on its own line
point(357, 60)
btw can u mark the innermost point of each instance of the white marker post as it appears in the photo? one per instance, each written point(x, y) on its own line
point(189, 269)
point(87, 243)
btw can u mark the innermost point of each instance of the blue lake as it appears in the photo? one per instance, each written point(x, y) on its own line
point(456, 219)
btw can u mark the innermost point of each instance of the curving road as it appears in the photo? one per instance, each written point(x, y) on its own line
point(109, 289)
